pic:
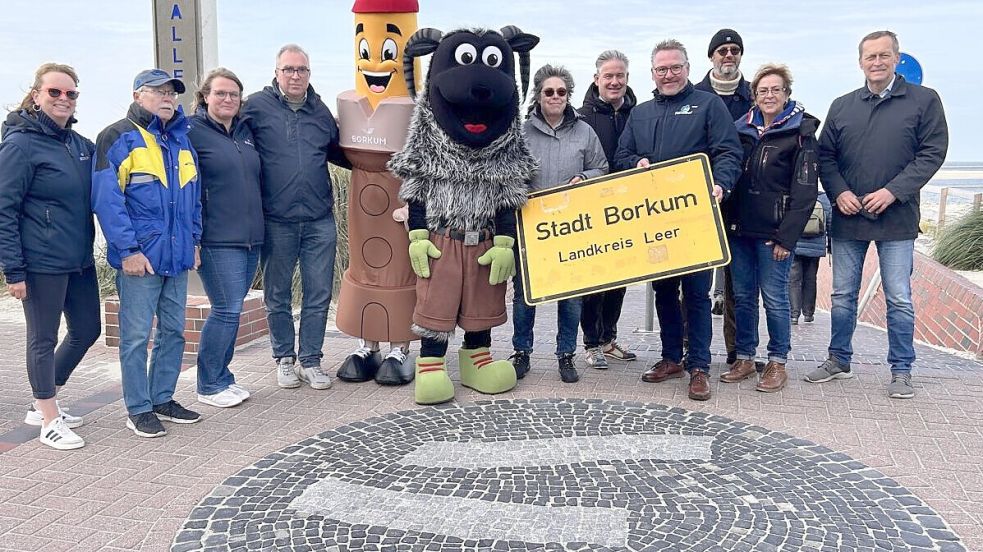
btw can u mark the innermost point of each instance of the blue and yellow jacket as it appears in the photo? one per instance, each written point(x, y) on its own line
point(146, 191)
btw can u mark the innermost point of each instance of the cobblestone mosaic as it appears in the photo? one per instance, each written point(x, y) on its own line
point(560, 474)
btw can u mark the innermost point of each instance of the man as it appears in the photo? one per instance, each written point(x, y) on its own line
point(726, 81)
point(146, 193)
point(679, 121)
point(607, 104)
point(296, 136)
point(879, 146)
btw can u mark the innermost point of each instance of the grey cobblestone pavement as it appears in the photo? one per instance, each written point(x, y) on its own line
point(916, 464)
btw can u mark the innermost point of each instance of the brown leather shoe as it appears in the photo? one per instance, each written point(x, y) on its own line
point(739, 371)
point(699, 386)
point(661, 371)
point(773, 379)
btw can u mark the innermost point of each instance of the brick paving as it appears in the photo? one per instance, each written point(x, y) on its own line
point(121, 492)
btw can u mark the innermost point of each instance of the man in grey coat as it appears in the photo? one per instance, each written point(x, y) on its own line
point(880, 145)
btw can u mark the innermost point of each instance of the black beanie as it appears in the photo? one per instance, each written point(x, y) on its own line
point(725, 36)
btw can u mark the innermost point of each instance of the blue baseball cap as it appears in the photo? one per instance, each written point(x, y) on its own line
point(157, 77)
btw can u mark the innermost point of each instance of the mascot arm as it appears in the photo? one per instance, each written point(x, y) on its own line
point(501, 256)
point(505, 222)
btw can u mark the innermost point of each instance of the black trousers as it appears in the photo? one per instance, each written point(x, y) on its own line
point(802, 285)
point(48, 296)
point(472, 340)
point(599, 316)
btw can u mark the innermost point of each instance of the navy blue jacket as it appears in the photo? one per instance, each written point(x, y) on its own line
point(738, 103)
point(869, 143)
point(692, 121)
point(231, 197)
point(46, 224)
point(816, 245)
point(295, 148)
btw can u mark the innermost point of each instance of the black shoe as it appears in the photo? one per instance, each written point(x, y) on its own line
point(520, 360)
point(567, 372)
point(174, 412)
point(809, 318)
point(759, 365)
point(718, 305)
point(731, 357)
point(362, 365)
point(795, 321)
point(146, 425)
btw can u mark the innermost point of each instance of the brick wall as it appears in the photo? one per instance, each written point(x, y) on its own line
point(948, 307)
point(252, 322)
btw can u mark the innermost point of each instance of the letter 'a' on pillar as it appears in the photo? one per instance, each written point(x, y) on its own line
point(382, 28)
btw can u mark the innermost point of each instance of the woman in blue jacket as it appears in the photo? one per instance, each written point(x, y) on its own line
point(232, 228)
point(46, 235)
point(770, 207)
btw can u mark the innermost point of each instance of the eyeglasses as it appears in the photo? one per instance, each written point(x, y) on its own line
point(674, 69)
point(57, 92)
point(222, 94)
point(162, 93)
point(561, 92)
point(766, 91)
point(732, 50)
point(299, 71)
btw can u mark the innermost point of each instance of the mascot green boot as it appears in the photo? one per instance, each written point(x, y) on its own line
point(433, 385)
point(484, 374)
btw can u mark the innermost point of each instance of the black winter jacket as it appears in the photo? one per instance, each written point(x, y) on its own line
point(295, 148)
point(607, 122)
point(869, 143)
point(739, 103)
point(778, 187)
point(692, 121)
point(229, 168)
point(46, 223)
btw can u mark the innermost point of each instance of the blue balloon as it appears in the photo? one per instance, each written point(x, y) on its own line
point(909, 68)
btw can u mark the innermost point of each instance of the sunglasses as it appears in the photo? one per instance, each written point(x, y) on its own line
point(732, 50)
point(548, 92)
point(57, 92)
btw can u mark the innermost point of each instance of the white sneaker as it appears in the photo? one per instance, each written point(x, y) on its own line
point(58, 435)
point(314, 376)
point(35, 418)
point(240, 390)
point(286, 376)
point(595, 358)
point(223, 399)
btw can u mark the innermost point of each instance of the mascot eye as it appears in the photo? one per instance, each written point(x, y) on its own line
point(363, 49)
point(492, 56)
point(389, 50)
point(466, 54)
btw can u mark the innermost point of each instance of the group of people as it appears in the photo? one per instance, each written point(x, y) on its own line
point(244, 183)
point(236, 185)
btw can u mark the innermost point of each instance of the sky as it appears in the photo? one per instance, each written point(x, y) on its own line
point(110, 41)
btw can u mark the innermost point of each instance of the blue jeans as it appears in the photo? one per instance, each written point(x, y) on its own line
point(140, 299)
point(226, 273)
point(524, 320)
point(312, 243)
point(754, 270)
point(696, 293)
point(896, 263)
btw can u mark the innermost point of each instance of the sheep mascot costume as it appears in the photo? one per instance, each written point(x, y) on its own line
point(465, 170)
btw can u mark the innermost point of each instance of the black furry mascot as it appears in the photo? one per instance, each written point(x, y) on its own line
point(465, 170)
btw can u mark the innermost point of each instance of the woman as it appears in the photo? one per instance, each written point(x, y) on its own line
point(232, 228)
point(772, 203)
point(805, 266)
point(568, 151)
point(46, 235)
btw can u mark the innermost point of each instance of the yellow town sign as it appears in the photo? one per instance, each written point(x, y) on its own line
point(628, 227)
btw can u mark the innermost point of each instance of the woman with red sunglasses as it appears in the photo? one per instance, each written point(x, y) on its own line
point(46, 235)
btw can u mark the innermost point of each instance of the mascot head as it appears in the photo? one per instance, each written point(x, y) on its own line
point(382, 28)
point(470, 84)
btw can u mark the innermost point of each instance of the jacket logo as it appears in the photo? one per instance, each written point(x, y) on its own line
point(248, 142)
point(686, 110)
point(84, 157)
